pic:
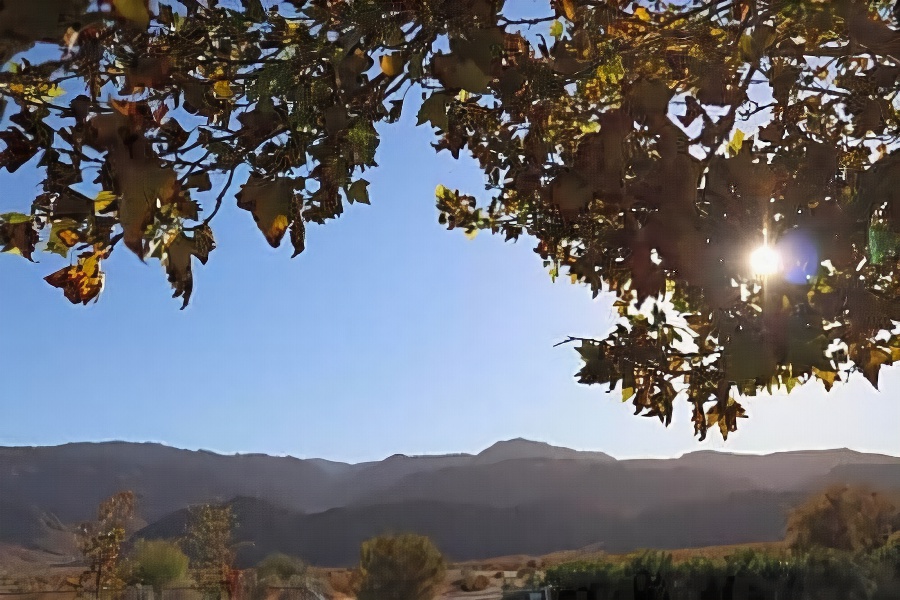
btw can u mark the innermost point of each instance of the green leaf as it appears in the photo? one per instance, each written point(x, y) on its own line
point(883, 243)
point(748, 49)
point(358, 191)
point(136, 11)
point(434, 110)
point(556, 29)
point(63, 235)
point(15, 218)
point(363, 141)
point(455, 72)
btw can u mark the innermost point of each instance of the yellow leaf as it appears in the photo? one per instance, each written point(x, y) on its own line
point(103, 200)
point(642, 13)
point(827, 377)
point(568, 7)
point(443, 192)
point(135, 11)
point(392, 64)
point(736, 142)
point(223, 89)
point(471, 233)
point(54, 91)
point(627, 393)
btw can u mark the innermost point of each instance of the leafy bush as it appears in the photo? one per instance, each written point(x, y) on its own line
point(584, 575)
point(404, 567)
point(650, 561)
point(695, 576)
point(158, 563)
point(280, 566)
point(828, 571)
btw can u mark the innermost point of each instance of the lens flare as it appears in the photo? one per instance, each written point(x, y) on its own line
point(799, 256)
point(765, 261)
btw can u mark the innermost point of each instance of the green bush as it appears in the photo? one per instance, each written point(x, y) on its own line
point(404, 567)
point(280, 566)
point(650, 561)
point(582, 574)
point(694, 575)
point(158, 563)
point(883, 567)
point(828, 571)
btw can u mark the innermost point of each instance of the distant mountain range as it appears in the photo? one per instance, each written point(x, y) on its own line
point(516, 497)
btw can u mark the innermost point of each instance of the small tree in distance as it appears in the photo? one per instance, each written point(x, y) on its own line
point(403, 567)
point(159, 562)
point(209, 546)
point(101, 542)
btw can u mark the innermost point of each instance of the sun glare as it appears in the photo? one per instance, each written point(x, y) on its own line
point(765, 261)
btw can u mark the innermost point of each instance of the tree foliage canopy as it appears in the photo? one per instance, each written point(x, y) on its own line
point(101, 543)
point(210, 549)
point(159, 562)
point(648, 146)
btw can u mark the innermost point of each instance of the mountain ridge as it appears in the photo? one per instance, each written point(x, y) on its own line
point(500, 443)
point(558, 488)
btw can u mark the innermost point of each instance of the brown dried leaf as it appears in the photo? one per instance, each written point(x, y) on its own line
point(269, 200)
point(83, 281)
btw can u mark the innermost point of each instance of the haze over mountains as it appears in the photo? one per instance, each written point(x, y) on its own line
point(516, 497)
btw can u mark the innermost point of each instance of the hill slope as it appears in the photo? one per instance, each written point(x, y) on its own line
point(516, 496)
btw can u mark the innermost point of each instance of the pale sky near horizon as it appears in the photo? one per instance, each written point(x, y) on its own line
point(388, 335)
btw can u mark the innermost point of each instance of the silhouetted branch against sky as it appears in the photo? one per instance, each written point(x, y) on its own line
point(726, 170)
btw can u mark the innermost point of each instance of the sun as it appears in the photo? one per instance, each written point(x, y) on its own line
point(765, 261)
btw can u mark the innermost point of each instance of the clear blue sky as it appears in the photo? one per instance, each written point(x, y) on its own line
point(388, 335)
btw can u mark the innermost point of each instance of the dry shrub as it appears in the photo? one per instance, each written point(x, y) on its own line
point(526, 572)
point(498, 575)
point(475, 583)
point(344, 582)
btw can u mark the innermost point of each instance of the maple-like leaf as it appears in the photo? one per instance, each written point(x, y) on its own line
point(17, 234)
point(176, 258)
point(81, 282)
point(270, 201)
